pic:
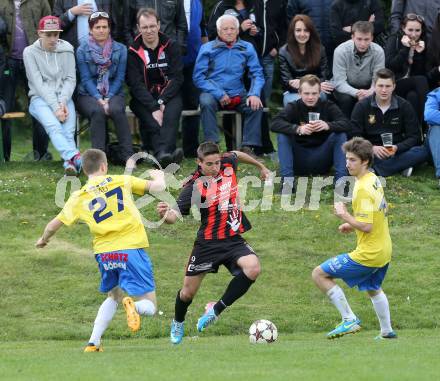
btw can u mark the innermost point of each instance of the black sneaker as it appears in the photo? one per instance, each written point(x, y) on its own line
point(164, 159)
point(178, 155)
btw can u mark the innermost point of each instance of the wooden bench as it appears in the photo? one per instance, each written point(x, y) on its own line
point(8, 115)
point(237, 132)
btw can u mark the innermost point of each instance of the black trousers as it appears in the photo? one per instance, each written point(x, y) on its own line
point(190, 124)
point(14, 74)
point(414, 90)
point(159, 139)
point(90, 108)
point(345, 102)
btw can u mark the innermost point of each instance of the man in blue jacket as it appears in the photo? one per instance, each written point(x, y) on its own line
point(432, 117)
point(218, 73)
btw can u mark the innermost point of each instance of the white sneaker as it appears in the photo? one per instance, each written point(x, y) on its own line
point(407, 172)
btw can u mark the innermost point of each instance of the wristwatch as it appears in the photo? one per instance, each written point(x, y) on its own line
point(160, 102)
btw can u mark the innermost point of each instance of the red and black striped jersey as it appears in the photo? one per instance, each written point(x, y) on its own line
point(218, 201)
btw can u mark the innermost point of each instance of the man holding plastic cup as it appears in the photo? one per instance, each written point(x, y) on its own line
point(311, 132)
point(390, 123)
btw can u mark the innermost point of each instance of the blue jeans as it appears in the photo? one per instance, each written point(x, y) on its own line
point(252, 120)
point(289, 97)
point(267, 62)
point(434, 146)
point(312, 160)
point(62, 135)
point(401, 161)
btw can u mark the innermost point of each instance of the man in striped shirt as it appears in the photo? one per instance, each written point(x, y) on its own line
point(213, 188)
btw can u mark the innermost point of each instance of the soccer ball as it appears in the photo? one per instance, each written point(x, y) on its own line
point(262, 332)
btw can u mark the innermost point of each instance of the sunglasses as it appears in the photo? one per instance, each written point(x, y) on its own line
point(95, 15)
point(413, 16)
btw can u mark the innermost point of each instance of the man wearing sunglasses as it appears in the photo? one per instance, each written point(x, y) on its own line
point(428, 9)
point(74, 15)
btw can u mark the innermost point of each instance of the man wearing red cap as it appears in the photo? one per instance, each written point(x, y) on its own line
point(21, 18)
point(50, 68)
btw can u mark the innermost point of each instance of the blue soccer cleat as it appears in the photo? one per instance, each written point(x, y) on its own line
point(389, 335)
point(208, 318)
point(344, 328)
point(177, 331)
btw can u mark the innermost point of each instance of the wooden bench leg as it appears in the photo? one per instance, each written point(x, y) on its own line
point(237, 130)
point(77, 132)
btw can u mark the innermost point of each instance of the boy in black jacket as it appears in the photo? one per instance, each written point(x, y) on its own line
point(383, 113)
point(154, 76)
point(311, 133)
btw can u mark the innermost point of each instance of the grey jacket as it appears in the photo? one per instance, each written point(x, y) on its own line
point(429, 9)
point(51, 75)
point(351, 71)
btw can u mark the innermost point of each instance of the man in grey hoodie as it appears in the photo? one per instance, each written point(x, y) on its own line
point(50, 69)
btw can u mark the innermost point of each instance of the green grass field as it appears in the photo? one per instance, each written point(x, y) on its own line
point(49, 298)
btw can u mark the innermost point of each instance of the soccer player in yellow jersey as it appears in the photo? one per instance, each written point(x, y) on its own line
point(366, 266)
point(106, 205)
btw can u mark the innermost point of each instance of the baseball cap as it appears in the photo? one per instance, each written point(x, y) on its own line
point(49, 24)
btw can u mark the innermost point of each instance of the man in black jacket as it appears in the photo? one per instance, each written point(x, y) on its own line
point(381, 114)
point(74, 15)
point(171, 14)
point(311, 133)
point(154, 76)
point(344, 13)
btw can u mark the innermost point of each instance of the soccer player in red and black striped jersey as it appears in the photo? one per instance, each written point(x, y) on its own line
point(214, 189)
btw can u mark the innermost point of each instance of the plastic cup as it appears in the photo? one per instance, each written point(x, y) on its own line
point(313, 116)
point(387, 141)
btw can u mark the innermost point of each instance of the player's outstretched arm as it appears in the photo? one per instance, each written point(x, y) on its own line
point(245, 158)
point(157, 182)
point(340, 211)
point(51, 228)
point(164, 210)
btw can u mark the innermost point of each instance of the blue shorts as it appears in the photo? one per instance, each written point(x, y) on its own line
point(354, 274)
point(129, 269)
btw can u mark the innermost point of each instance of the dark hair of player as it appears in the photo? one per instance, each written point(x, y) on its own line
point(206, 149)
point(361, 148)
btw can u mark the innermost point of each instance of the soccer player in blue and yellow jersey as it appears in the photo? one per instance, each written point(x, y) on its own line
point(366, 266)
point(106, 205)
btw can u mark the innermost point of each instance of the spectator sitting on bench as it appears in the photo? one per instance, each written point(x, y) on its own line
point(311, 132)
point(102, 63)
point(386, 113)
point(50, 69)
point(154, 76)
point(218, 73)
